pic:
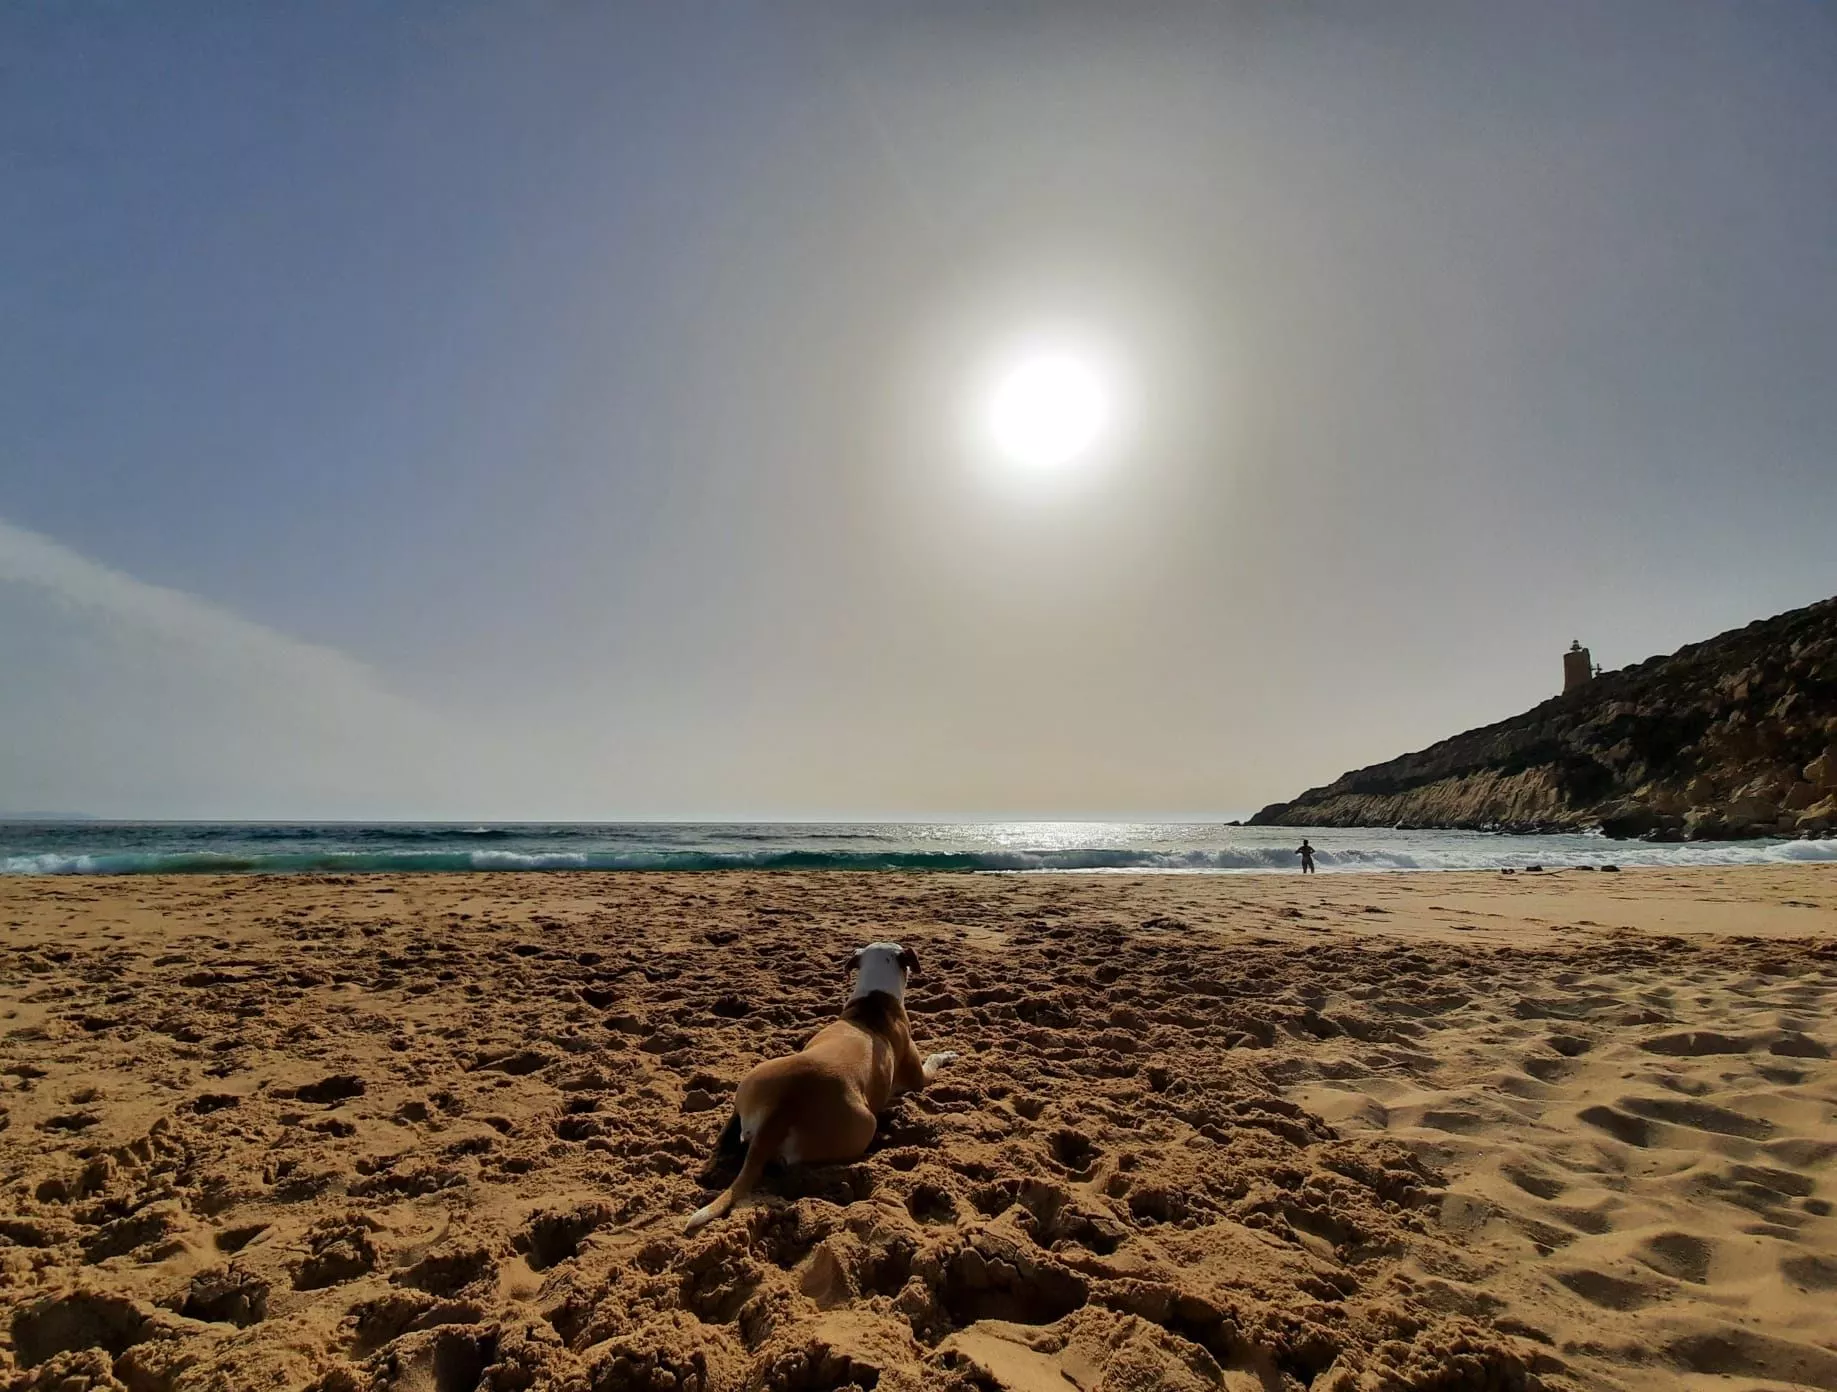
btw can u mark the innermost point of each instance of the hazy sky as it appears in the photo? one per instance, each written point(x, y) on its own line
point(551, 409)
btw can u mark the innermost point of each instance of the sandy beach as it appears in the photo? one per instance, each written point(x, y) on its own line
point(440, 1132)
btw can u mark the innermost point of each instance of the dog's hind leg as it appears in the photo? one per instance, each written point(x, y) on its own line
point(763, 1147)
point(729, 1145)
point(729, 1151)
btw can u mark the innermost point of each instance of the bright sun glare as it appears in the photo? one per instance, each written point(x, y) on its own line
point(1049, 407)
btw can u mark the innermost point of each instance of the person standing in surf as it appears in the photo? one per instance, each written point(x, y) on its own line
point(1306, 852)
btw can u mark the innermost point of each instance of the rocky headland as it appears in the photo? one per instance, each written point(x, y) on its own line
point(1735, 737)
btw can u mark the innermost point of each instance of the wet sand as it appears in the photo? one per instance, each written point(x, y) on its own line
point(1571, 1130)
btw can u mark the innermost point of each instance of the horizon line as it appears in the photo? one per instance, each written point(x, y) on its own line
point(902, 819)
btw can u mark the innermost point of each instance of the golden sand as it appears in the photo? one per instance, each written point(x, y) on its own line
point(1574, 1130)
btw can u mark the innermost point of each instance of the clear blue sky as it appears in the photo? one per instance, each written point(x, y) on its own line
point(545, 409)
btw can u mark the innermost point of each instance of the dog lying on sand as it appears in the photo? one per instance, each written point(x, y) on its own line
point(823, 1103)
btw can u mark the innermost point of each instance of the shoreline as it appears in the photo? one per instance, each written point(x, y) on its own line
point(1791, 899)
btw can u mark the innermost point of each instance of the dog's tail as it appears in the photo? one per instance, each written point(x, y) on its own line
point(764, 1145)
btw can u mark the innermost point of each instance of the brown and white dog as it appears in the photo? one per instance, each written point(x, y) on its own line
point(823, 1103)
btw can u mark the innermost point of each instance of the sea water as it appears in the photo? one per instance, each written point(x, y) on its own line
point(123, 848)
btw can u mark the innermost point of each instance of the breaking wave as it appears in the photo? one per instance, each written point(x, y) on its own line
point(1498, 853)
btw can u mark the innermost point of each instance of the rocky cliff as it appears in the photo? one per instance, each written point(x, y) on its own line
point(1733, 737)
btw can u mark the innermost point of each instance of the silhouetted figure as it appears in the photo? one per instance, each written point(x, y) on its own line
point(1306, 852)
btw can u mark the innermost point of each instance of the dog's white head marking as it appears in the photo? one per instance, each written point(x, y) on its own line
point(882, 966)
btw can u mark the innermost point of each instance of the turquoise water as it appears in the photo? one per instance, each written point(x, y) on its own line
point(124, 848)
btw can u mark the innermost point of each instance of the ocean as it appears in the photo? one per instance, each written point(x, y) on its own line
point(128, 848)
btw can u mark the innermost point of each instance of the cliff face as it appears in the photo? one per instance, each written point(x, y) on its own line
point(1733, 737)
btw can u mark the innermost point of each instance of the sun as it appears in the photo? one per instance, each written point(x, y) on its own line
point(1049, 406)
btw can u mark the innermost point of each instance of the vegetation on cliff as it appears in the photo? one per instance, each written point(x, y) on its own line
point(1731, 738)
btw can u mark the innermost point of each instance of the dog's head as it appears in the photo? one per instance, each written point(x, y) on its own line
point(882, 966)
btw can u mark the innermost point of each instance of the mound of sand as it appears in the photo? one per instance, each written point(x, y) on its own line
point(442, 1133)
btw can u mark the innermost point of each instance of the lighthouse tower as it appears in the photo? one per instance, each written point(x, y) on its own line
point(1577, 668)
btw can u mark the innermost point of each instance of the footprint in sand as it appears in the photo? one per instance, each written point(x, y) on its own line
point(1700, 1116)
point(1548, 1070)
point(1628, 1130)
point(1610, 1292)
point(1541, 1185)
point(1811, 1272)
point(1680, 1255)
point(1696, 1044)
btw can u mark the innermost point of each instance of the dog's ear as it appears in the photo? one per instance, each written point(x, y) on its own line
point(854, 960)
point(908, 959)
